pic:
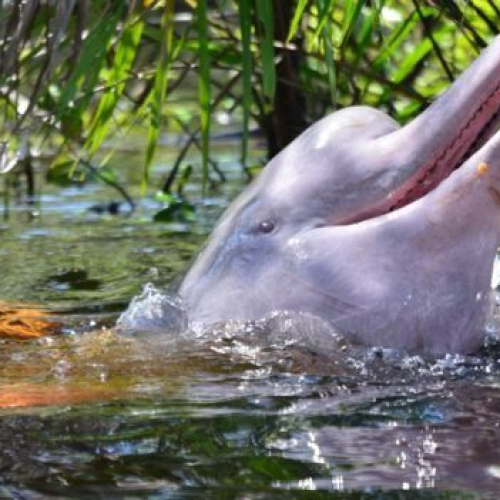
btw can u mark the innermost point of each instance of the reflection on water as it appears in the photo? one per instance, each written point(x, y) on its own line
point(280, 408)
point(100, 414)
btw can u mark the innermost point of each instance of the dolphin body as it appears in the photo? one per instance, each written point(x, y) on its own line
point(387, 233)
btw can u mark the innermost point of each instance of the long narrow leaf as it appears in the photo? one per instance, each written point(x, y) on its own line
point(329, 56)
point(397, 37)
point(246, 41)
point(294, 25)
point(350, 20)
point(365, 36)
point(266, 16)
point(204, 87)
point(86, 71)
point(159, 92)
point(410, 62)
point(324, 16)
point(126, 51)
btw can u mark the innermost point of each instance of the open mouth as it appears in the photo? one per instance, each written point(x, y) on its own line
point(468, 139)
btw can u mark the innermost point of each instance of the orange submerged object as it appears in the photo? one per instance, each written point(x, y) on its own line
point(29, 395)
point(25, 321)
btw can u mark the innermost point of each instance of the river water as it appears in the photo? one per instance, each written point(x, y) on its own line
point(281, 408)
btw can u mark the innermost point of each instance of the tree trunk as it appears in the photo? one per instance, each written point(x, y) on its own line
point(287, 120)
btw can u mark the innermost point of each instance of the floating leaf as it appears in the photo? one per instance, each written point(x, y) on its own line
point(178, 210)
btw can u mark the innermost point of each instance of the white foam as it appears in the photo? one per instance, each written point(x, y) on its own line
point(153, 310)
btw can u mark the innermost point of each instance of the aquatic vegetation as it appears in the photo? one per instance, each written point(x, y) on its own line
point(79, 76)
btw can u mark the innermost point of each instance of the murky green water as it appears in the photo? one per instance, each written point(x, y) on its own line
point(268, 411)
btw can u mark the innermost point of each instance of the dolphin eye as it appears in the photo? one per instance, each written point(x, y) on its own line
point(266, 226)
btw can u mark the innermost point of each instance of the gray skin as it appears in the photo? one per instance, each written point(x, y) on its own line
point(387, 233)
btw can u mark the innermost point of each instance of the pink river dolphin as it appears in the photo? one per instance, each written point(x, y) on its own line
point(388, 233)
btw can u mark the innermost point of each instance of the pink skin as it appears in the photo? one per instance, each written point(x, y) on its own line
point(419, 277)
point(368, 228)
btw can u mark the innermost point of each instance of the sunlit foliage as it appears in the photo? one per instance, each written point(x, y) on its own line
point(75, 73)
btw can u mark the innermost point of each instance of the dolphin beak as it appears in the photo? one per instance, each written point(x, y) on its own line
point(442, 138)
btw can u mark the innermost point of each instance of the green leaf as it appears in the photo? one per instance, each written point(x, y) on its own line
point(351, 18)
point(409, 63)
point(397, 37)
point(327, 35)
point(297, 16)
point(246, 41)
point(365, 36)
point(326, 8)
point(266, 17)
point(72, 124)
point(177, 210)
point(159, 92)
point(185, 175)
point(126, 51)
point(224, 54)
point(61, 171)
point(86, 72)
point(107, 174)
point(204, 87)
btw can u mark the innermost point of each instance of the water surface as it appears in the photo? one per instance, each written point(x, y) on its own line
point(281, 408)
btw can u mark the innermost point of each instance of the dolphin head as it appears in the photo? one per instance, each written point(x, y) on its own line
point(388, 233)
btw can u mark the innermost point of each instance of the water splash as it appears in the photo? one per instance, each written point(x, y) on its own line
point(153, 310)
point(280, 331)
point(295, 337)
